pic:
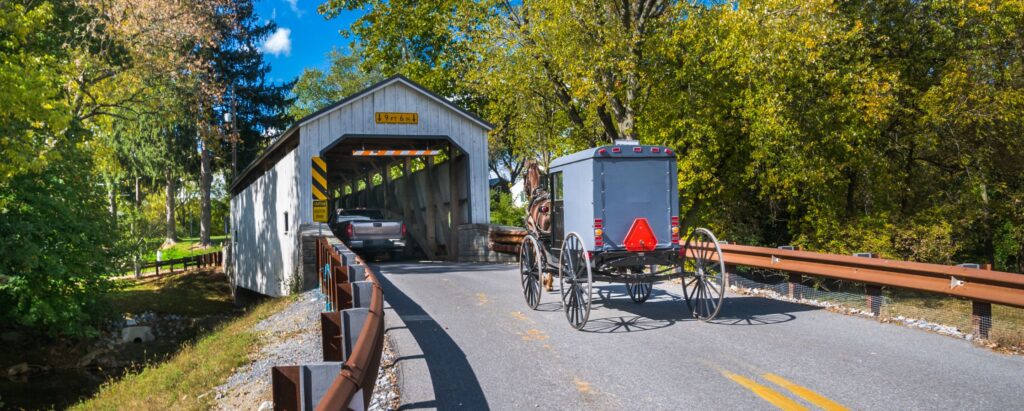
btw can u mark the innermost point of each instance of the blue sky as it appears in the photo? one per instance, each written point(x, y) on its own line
point(303, 38)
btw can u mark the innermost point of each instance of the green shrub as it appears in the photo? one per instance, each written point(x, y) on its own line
point(56, 246)
point(504, 212)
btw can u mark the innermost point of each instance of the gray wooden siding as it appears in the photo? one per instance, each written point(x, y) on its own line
point(435, 119)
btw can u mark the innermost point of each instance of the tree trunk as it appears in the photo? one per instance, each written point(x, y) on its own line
point(205, 178)
point(137, 260)
point(112, 198)
point(170, 236)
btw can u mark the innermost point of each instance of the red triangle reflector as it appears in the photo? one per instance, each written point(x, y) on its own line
point(640, 236)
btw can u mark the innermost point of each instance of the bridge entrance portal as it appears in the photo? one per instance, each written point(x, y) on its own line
point(421, 180)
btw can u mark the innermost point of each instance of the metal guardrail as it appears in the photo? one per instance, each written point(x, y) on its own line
point(354, 307)
point(972, 283)
point(983, 287)
point(196, 261)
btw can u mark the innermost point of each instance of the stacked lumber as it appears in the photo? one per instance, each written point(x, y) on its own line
point(505, 239)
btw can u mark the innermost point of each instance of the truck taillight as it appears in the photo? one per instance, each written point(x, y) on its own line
point(616, 150)
point(675, 229)
point(668, 151)
point(348, 230)
point(602, 151)
point(638, 149)
point(403, 230)
point(655, 150)
point(598, 232)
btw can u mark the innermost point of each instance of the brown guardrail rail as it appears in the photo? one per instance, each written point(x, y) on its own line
point(980, 285)
point(972, 283)
point(359, 371)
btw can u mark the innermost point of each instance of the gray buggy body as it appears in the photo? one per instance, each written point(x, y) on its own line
point(615, 185)
point(597, 201)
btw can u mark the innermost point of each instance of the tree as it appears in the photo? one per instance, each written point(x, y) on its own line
point(250, 109)
point(316, 89)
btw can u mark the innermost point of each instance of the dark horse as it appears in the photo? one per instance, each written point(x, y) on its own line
point(538, 216)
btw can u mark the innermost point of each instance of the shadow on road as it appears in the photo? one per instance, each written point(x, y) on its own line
point(414, 268)
point(663, 309)
point(454, 382)
point(741, 310)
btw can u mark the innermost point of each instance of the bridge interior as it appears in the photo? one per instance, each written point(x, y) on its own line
point(418, 189)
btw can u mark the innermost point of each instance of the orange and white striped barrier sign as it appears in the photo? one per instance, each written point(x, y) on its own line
point(367, 153)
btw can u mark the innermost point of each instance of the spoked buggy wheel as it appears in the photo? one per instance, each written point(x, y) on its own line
point(704, 275)
point(575, 280)
point(639, 291)
point(530, 270)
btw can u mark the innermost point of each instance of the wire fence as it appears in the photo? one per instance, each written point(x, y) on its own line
point(957, 317)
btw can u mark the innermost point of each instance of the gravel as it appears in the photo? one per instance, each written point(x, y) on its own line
point(292, 337)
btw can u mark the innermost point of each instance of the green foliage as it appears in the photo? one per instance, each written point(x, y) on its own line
point(504, 211)
point(56, 246)
point(32, 112)
point(891, 127)
point(316, 89)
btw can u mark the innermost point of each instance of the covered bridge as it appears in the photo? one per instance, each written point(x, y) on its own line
point(394, 146)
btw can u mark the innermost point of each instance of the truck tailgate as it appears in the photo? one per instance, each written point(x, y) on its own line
point(376, 230)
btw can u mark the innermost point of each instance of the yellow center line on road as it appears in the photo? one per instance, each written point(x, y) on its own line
point(774, 397)
point(803, 392)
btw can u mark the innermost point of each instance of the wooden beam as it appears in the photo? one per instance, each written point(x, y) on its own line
point(453, 203)
point(430, 206)
point(406, 192)
point(387, 187)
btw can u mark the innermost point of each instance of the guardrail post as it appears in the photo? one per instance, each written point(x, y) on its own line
point(352, 322)
point(873, 292)
point(794, 279)
point(285, 386)
point(981, 319)
point(874, 295)
point(728, 270)
point(981, 315)
point(330, 330)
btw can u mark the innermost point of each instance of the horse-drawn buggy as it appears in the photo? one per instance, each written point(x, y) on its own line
point(611, 214)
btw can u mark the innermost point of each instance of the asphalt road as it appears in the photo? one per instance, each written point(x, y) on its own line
point(466, 339)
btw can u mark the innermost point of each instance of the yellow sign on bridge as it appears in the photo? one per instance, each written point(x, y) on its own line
point(396, 118)
point(320, 211)
point(319, 189)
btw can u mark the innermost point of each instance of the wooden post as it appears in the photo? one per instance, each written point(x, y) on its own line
point(368, 191)
point(729, 269)
point(981, 316)
point(794, 279)
point(874, 295)
point(387, 187)
point(453, 204)
point(406, 190)
point(431, 205)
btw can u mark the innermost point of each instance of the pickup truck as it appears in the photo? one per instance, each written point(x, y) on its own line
point(368, 233)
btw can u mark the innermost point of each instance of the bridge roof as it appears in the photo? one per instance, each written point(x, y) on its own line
point(290, 138)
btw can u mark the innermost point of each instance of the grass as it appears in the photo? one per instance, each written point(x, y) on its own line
point(185, 247)
point(1007, 327)
point(186, 380)
point(192, 293)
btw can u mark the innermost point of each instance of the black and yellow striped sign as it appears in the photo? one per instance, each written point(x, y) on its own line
point(319, 189)
point(319, 179)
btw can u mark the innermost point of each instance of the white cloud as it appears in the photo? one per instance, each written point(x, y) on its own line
point(294, 4)
point(279, 43)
